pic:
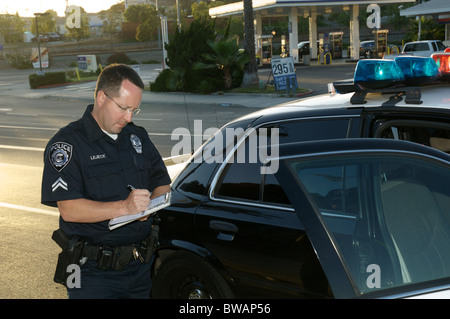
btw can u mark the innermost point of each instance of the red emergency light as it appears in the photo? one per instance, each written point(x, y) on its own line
point(443, 62)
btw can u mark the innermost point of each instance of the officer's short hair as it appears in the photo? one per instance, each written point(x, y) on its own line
point(111, 78)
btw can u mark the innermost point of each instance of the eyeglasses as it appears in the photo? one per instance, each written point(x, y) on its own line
point(124, 108)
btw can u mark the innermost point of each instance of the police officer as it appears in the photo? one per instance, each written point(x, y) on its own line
point(87, 167)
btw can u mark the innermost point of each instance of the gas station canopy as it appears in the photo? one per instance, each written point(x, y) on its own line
point(308, 9)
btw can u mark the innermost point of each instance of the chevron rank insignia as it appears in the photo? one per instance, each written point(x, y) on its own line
point(60, 183)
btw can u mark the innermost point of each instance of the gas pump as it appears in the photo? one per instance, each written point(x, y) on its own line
point(336, 44)
point(324, 49)
point(284, 46)
point(381, 45)
point(265, 48)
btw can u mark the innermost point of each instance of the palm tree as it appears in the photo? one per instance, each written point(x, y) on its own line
point(251, 70)
point(227, 57)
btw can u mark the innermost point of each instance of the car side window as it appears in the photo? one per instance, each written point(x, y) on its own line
point(314, 129)
point(433, 134)
point(243, 179)
point(396, 232)
point(441, 46)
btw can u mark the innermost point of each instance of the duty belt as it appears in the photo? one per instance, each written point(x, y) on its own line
point(116, 258)
point(76, 250)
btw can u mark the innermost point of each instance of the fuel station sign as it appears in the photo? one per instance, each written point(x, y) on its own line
point(284, 74)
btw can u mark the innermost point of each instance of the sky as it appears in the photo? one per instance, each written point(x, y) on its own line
point(27, 8)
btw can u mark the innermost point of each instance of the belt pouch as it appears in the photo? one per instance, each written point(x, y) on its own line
point(105, 257)
point(122, 257)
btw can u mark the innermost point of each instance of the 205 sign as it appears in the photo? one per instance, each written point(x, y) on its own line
point(284, 74)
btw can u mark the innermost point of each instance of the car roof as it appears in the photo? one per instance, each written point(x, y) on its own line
point(423, 41)
point(432, 97)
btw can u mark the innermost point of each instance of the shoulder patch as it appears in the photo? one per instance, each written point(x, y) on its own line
point(136, 142)
point(60, 155)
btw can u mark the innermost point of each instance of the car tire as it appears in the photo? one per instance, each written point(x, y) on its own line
point(183, 275)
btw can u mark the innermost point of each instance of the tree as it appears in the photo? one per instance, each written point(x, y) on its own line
point(112, 18)
point(11, 28)
point(429, 30)
point(200, 10)
point(251, 70)
point(227, 57)
point(185, 48)
point(46, 22)
point(83, 31)
point(147, 17)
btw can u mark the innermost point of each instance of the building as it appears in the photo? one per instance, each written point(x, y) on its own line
point(437, 8)
point(308, 9)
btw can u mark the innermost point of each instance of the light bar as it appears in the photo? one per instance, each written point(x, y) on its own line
point(418, 70)
point(377, 73)
point(443, 63)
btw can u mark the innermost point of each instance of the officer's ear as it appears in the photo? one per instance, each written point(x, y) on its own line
point(101, 98)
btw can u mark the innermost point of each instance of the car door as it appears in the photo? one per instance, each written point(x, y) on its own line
point(251, 230)
point(379, 214)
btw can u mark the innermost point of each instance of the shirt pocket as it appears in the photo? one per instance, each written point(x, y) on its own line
point(105, 182)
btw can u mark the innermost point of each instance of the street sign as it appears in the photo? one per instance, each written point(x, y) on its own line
point(284, 74)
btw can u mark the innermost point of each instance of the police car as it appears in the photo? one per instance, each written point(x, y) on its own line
point(339, 196)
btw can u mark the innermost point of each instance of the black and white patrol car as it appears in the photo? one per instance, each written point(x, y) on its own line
point(339, 196)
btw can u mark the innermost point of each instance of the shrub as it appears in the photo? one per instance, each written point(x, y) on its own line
point(48, 78)
point(119, 57)
point(19, 61)
point(160, 84)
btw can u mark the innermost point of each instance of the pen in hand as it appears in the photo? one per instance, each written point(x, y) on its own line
point(131, 187)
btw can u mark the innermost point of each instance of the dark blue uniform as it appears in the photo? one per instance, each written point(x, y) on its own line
point(81, 161)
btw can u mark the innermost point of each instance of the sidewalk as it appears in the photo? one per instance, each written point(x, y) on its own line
point(15, 82)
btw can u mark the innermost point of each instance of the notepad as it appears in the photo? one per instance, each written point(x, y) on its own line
point(155, 205)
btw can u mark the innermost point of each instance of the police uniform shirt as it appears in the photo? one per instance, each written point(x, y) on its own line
point(81, 161)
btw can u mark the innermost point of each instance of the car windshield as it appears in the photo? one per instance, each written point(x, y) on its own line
point(388, 216)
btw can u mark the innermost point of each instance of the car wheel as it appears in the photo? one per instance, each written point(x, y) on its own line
point(184, 275)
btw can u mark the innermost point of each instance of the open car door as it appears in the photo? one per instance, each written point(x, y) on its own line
point(376, 211)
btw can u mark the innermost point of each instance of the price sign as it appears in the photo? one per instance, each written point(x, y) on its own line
point(284, 74)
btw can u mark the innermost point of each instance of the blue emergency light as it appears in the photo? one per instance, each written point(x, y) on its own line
point(409, 70)
point(418, 70)
point(377, 73)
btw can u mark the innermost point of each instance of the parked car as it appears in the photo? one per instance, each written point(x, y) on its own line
point(53, 36)
point(367, 49)
point(421, 48)
point(338, 196)
point(303, 48)
point(42, 38)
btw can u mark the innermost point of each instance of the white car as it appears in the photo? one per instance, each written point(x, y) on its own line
point(421, 48)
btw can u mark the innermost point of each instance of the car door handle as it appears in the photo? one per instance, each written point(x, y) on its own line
point(226, 231)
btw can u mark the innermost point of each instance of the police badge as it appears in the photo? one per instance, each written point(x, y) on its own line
point(136, 142)
point(60, 155)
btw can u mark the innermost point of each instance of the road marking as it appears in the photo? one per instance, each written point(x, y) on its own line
point(29, 209)
point(29, 127)
point(23, 148)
